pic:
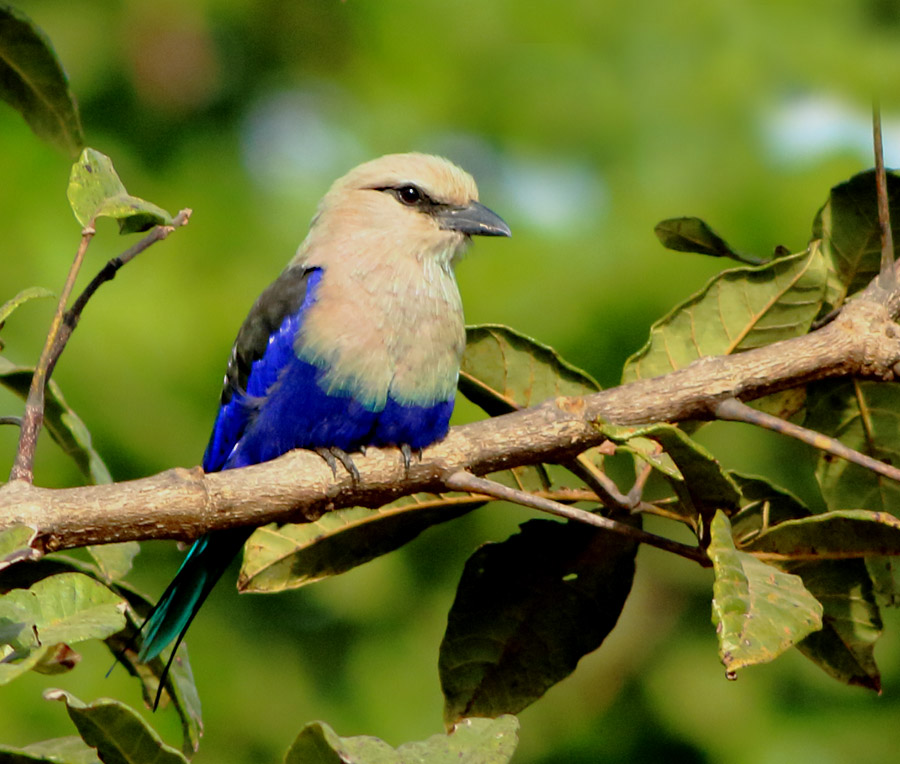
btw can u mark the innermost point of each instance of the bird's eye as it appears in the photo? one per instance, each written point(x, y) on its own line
point(409, 195)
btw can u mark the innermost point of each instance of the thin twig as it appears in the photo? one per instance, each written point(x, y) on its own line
point(108, 273)
point(607, 491)
point(61, 330)
point(33, 418)
point(886, 277)
point(736, 411)
point(466, 481)
point(15, 420)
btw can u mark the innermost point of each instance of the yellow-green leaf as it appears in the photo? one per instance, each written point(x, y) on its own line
point(95, 190)
point(759, 611)
point(738, 309)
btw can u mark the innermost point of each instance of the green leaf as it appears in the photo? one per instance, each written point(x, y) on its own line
point(31, 293)
point(885, 575)
point(851, 622)
point(15, 545)
point(118, 733)
point(848, 226)
point(12, 666)
point(865, 416)
point(63, 750)
point(283, 557)
point(96, 191)
point(758, 610)
point(763, 505)
point(114, 560)
point(688, 234)
point(526, 610)
point(33, 82)
point(842, 534)
point(63, 424)
point(696, 476)
point(738, 309)
point(70, 607)
point(16, 628)
point(472, 741)
point(503, 370)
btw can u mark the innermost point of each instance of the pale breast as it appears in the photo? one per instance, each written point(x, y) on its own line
point(396, 330)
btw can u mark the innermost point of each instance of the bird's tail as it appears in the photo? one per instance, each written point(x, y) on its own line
point(172, 615)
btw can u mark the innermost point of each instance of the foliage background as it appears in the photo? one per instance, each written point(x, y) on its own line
point(585, 123)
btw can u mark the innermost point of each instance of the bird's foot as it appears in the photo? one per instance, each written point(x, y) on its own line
point(407, 451)
point(333, 455)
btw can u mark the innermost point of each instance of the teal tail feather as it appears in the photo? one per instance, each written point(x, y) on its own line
point(201, 569)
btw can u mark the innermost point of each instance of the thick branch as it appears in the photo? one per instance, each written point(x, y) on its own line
point(179, 503)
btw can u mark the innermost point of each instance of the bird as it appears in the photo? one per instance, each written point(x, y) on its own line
point(356, 343)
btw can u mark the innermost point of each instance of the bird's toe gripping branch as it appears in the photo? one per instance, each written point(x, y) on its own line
point(333, 455)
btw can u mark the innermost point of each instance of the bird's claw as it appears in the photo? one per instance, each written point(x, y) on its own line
point(407, 451)
point(333, 455)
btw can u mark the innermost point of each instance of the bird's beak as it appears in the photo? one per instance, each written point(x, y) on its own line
point(474, 219)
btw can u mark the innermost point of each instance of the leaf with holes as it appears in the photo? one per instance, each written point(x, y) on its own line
point(33, 82)
point(738, 309)
point(865, 416)
point(759, 611)
point(526, 611)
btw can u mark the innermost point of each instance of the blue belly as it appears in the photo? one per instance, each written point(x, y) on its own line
point(285, 407)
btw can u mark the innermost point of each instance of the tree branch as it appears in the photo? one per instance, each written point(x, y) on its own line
point(466, 481)
point(863, 341)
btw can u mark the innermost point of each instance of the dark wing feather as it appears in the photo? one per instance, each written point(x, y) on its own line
point(282, 298)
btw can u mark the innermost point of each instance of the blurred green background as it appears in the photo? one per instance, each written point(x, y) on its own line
point(585, 123)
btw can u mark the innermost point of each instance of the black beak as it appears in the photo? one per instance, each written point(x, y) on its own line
point(474, 219)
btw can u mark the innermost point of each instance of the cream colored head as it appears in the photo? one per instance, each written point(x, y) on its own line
point(408, 205)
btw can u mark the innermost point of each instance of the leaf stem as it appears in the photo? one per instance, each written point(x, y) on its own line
point(466, 481)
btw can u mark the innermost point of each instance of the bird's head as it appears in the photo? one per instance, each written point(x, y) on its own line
point(408, 205)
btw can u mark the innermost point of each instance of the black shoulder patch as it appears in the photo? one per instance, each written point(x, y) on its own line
point(279, 300)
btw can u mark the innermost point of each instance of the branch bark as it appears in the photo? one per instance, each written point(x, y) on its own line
point(184, 503)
